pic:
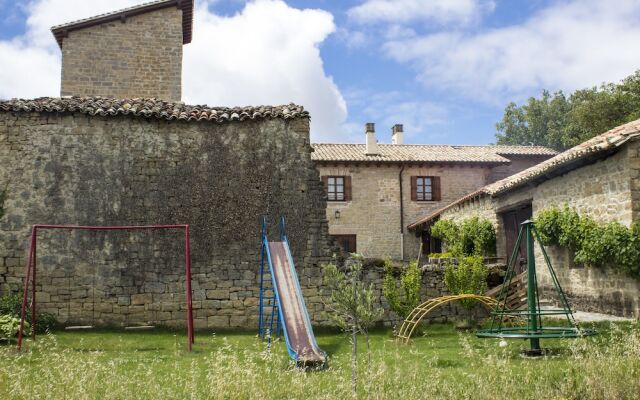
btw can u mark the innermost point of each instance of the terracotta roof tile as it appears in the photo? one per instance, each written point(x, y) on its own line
point(594, 147)
point(151, 108)
point(423, 153)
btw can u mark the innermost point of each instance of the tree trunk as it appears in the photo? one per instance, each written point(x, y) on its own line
point(354, 339)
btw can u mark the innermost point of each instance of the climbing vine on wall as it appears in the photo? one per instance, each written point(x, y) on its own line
point(473, 236)
point(595, 244)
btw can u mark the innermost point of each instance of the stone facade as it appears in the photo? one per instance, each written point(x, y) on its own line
point(140, 57)
point(606, 190)
point(71, 168)
point(373, 214)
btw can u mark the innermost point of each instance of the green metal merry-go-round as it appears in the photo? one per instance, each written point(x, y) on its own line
point(535, 328)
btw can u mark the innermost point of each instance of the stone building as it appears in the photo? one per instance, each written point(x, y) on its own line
point(599, 178)
point(117, 55)
point(373, 190)
point(139, 156)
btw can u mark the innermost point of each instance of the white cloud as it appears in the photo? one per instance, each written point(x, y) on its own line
point(566, 46)
point(402, 11)
point(31, 63)
point(266, 54)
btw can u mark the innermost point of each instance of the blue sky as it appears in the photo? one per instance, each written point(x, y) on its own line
point(444, 68)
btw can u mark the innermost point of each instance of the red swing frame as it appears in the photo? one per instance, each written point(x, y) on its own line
point(31, 267)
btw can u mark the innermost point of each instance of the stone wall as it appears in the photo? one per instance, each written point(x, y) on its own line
point(518, 163)
point(606, 190)
point(126, 59)
point(63, 168)
point(373, 214)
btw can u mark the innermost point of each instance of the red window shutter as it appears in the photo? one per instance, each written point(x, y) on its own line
point(325, 184)
point(435, 188)
point(414, 188)
point(347, 188)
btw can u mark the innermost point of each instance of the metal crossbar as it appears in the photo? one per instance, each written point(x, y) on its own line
point(30, 271)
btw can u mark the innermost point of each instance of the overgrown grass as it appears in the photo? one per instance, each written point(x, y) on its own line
point(442, 364)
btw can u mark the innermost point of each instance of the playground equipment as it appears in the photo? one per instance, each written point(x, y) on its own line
point(534, 330)
point(417, 314)
point(30, 274)
point(281, 303)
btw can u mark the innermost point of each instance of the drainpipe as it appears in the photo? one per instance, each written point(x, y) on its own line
point(401, 215)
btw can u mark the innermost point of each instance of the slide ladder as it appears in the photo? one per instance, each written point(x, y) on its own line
point(282, 304)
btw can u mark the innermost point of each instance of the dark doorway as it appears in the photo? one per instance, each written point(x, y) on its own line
point(512, 220)
point(430, 244)
point(346, 242)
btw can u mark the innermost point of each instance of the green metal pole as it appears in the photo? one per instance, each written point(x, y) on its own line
point(531, 287)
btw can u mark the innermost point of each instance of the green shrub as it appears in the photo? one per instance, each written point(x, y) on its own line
point(595, 244)
point(405, 298)
point(12, 305)
point(474, 236)
point(10, 325)
point(468, 277)
point(441, 255)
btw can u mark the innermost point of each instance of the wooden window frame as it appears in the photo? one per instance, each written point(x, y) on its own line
point(419, 188)
point(352, 238)
point(346, 188)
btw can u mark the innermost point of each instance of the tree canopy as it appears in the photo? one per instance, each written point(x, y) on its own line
point(561, 122)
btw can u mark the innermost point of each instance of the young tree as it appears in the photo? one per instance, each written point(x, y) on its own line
point(405, 298)
point(351, 305)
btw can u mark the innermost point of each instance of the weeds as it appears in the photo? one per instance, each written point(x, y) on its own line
point(443, 365)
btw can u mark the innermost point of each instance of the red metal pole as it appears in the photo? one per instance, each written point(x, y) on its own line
point(187, 255)
point(33, 282)
point(26, 287)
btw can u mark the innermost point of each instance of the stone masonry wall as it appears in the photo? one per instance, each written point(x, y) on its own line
point(373, 214)
point(518, 163)
point(63, 168)
point(606, 190)
point(603, 191)
point(126, 60)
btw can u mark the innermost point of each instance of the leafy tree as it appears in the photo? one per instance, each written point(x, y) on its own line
point(404, 299)
point(559, 122)
point(351, 305)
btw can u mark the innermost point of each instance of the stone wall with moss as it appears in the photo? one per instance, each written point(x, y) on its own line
point(606, 190)
point(66, 168)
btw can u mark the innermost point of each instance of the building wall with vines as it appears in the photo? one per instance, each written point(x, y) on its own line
point(607, 190)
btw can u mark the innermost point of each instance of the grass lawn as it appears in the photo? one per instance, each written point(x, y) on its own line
point(440, 364)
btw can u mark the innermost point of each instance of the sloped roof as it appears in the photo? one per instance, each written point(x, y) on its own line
point(151, 108)
point(595, 147)
point(492, 154)
point(60, 31)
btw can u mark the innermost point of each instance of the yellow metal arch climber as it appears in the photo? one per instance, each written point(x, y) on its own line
point(417, 314)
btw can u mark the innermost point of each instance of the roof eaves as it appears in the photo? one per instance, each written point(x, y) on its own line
point(61, 31)
point(438, 212)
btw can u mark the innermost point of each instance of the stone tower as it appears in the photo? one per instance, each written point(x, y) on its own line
point(130, 53)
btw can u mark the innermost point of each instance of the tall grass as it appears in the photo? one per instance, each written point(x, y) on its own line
point(443, 364)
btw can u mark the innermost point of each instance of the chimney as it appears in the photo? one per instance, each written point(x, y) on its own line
point(372, 143)
point(105, 55)
point(397, 134)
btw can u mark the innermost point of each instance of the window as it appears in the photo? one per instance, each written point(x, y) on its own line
point(346, 242)
point(337, 188)
point(425, 188)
